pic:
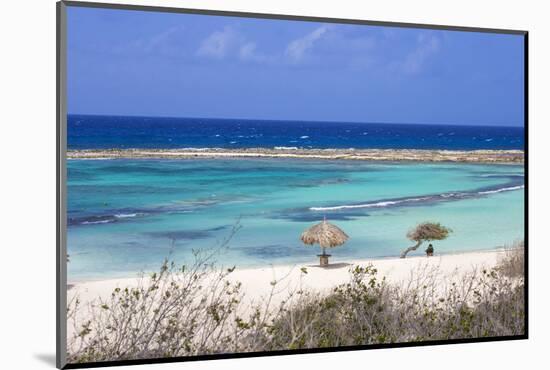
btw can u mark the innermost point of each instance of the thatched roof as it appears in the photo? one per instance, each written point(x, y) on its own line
point(325, 234)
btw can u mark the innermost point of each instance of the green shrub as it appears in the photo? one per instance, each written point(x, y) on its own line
point(195, 310)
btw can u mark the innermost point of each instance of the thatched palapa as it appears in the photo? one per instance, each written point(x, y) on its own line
point(326, 235)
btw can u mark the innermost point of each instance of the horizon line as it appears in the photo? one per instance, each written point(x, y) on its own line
point(299, 120)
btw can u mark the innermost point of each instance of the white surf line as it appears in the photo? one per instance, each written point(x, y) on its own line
point(393, 202)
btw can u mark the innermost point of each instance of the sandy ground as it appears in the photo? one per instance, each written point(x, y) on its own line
point(256, 281)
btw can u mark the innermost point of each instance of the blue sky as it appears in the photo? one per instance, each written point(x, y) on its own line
point(123, 62)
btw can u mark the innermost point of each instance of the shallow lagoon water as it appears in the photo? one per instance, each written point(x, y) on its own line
point(126, 216)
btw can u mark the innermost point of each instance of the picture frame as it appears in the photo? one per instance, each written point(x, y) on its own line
point(62, 180)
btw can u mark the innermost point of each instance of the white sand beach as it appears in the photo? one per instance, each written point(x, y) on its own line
point(256, 282)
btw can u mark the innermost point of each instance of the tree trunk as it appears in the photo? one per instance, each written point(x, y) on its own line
point(410, 249)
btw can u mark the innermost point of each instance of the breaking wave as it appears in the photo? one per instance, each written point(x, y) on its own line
point(429, 198)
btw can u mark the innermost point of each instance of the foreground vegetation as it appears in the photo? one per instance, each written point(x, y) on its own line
point(197, 310)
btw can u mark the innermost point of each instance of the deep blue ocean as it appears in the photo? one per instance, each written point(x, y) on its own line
point(102, 132)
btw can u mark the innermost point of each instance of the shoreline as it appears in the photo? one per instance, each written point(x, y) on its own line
point(392, 155)
point(334, 259)
point(256, 281)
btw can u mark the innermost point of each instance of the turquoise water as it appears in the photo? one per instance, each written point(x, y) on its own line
point(126, 216)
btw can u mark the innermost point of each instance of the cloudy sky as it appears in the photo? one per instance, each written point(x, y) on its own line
point(123, 62)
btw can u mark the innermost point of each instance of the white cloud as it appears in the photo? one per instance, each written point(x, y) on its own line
point(296, 50)
point(349, 51)
point(218, 44)
point(230, 43)
point(426, 47)
point(161, 39)
point(167, 42)
point(248, 52)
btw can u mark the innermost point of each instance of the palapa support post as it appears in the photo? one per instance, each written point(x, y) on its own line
point(323, 259)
